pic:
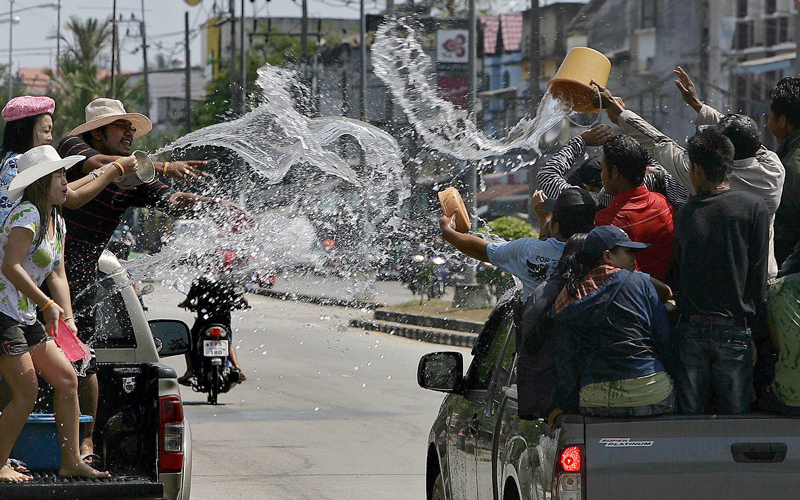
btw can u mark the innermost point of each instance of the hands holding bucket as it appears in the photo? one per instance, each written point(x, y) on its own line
point(614, 106)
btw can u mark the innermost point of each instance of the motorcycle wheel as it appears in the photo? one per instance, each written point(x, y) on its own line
point(213, 384)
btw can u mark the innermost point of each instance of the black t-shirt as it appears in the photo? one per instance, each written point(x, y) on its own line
point(90, 227)
point(721, 248)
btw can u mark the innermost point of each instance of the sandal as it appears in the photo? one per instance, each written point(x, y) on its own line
point(91, 459)
point(185, 380)
point(18, 466)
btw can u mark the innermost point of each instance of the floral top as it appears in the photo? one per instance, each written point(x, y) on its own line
point(8, 170)
point(39, 262)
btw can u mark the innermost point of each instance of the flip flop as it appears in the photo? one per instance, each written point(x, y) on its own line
point(187, 381)
point(91, 459)
point(18, 466)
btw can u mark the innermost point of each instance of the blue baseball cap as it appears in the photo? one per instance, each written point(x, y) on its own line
point(605, 238)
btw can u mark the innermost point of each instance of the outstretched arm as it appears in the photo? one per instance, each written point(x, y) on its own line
point(89, 186)
point(466, 243)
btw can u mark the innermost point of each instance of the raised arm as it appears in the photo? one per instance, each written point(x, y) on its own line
point(84, 189)
point(466, 243)
point(552, 176)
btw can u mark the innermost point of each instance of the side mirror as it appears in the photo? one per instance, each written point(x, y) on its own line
point(171, 336)
point(441, 371)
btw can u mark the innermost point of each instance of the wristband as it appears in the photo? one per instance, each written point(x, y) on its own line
point(165, 167)
point(46, 305)
point(119, 166)
point(68, 318)
point(94, 174)
point(448, 227)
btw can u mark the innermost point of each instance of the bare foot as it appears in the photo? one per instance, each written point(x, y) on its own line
point(9, 475)
point(81, 469)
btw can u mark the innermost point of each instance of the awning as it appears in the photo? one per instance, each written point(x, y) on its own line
point(781, 61)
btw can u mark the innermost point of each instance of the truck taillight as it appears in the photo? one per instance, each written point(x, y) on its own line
point(568, 477)
point(215, 332)
point(170, 446)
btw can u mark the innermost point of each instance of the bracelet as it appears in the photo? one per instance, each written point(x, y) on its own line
point(120, 167)
point(94, 174)
point(46, 305)
point(448, 227)
point(165, 167)
point(68, 318)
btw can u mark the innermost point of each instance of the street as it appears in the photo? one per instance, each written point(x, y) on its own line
point(326, 412)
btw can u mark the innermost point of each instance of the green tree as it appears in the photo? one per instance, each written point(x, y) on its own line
point(510, 229)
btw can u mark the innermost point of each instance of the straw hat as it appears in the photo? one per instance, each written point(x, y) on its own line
point(35, 164)
point(103, 111)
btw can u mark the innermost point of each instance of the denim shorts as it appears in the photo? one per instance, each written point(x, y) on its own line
point(17, 338)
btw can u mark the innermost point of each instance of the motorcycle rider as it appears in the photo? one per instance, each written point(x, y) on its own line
point(212, 296)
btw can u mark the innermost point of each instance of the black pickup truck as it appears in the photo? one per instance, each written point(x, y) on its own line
point(479, 448)
point(140, 433)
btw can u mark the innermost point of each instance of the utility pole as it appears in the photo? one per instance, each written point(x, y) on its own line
point(58, 36)
point(389, 100)
point(472, 70)
point(10, 41)
point(188, 73)
point(243, 68)
point(535, 56)
point(304, 33)
point(234, 93)
point(113, 48)
point(362, 28)
point(145, 68)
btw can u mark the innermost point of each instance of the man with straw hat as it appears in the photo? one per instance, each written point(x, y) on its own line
point(106, 136)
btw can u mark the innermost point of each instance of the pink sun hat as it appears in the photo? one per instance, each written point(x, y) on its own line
point(28, 105)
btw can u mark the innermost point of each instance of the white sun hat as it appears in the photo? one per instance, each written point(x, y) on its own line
point(103, 111)
point(35, 164)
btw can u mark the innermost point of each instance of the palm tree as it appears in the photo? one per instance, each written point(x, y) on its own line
point(86, 40)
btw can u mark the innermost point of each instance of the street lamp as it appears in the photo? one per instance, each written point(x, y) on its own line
point(13, 20)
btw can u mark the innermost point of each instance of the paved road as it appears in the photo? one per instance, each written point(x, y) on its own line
point(327, 412)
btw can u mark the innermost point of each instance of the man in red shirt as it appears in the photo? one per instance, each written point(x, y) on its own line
point(646, 216)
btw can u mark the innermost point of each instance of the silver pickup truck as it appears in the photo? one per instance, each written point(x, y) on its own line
point(141, 434)
point(479, 448)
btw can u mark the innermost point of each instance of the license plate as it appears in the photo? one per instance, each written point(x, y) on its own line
point(215, 348)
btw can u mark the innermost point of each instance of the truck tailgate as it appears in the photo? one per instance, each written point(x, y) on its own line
point(749, 456)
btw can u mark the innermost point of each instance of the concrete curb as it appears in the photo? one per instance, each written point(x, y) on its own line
point(410, 332)
point(322, 301)
point(429, 321)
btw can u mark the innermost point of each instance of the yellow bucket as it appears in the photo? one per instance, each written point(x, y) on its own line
point(572, 81)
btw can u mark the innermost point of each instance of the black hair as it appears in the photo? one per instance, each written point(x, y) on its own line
point(785, 100)
point(630, 158)
point(588, 174)
point(576, 266)
point(18, 135)
point(571, 249)
point(37, 193)
point(743, 133)
point(575, 219)
point(713, 152)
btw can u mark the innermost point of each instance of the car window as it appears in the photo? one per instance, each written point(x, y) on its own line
point(114, 328)
point(486, 356)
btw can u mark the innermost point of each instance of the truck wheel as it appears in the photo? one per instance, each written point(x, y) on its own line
point(213, 385)
point(438, 488)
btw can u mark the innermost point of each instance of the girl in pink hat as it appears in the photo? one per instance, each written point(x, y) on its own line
point(29, 123)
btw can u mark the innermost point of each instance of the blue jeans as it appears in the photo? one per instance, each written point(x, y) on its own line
point(713, 360)
point(664, 407)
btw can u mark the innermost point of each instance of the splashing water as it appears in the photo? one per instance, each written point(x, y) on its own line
point(401, 63)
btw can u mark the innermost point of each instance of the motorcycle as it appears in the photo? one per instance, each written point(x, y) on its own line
point(212, 297)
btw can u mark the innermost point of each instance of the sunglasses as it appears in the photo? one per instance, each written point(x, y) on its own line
point(125, 126)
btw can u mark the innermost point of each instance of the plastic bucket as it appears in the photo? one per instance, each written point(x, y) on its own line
point(450, 200)
point(572, 83)
point(145, 172)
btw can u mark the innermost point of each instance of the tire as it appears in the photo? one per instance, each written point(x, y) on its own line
point(437, 493)
point(213, 384)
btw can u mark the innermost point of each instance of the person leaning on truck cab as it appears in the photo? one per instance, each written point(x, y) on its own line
point(612, 335)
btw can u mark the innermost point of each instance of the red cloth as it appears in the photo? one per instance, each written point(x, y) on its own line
point(593, 280)
point(647, 218)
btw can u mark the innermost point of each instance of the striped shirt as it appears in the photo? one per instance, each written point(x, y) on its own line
point(552, 177)
point(90, 227)
point(647, 217)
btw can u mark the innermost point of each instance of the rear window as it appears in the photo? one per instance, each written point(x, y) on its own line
point(114, 328)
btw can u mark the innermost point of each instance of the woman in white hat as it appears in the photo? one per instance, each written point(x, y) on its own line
point(32, 252)
point(29, 123)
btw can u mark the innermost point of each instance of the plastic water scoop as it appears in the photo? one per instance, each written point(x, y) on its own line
point(572, 83)
point(450, 199)
point(72, 346)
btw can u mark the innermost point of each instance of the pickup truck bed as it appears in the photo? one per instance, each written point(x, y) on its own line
point(70, 489)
